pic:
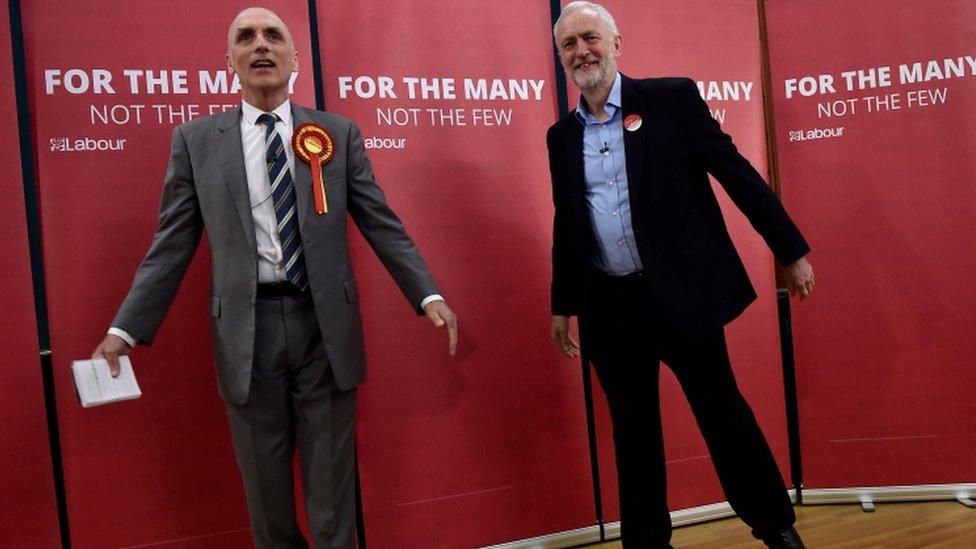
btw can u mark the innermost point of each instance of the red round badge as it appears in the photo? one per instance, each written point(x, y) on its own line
point(633, 122)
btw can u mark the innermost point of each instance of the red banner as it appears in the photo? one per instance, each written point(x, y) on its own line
point(27, 499)
point(717, 45)
point(454, 100)
point(873, 118)
point(874, 169)
point(158, 470)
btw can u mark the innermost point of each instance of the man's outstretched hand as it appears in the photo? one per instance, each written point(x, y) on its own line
point(443, 317)
point(111, 348)
point(561, 337)
point(799, 278)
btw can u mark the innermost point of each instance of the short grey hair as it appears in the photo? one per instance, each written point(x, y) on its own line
point(580, 5)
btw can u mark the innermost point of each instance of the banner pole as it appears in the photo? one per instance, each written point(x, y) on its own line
point(782, 295)
point(313, 28)
point(31, 203)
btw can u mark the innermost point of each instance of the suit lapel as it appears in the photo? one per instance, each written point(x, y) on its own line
point(303, 174)
point(230, 155)
point(634, 141)
point(577, 167)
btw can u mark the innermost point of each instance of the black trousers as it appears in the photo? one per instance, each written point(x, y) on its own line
point(626, 336)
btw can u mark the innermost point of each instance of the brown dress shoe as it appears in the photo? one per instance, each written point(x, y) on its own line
point(787, 539)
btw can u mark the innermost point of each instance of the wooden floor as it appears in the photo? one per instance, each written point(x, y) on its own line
point(943, 525)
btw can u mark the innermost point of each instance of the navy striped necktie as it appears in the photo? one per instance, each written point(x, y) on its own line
point(283, 195)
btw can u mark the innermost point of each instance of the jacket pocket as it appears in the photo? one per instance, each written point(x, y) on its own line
point(215, 306)
point(352, 293)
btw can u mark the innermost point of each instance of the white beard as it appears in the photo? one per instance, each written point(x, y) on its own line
point(592, 78)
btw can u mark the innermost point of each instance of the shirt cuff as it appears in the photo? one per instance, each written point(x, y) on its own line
point(124, 335)
point(430, 298)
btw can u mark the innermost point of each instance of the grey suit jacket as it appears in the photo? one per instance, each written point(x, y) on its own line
point(206, 188)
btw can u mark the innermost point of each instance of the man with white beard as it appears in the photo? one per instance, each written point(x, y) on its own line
point(642, 255)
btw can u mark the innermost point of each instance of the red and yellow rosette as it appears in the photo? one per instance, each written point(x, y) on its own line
point(314, 146)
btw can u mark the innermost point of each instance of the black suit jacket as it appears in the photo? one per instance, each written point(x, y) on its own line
point(689, 261)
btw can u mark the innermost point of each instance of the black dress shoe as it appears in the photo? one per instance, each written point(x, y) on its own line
point(787, 539)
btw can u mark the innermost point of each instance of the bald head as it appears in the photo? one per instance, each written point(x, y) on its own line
point(246, 16)
point(261, 52)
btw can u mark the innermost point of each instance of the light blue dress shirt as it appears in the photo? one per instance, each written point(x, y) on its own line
point(606, 187)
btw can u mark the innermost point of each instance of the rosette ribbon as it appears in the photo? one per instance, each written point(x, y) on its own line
point(314, 146)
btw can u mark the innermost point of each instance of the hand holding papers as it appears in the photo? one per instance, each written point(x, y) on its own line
point(96, 385)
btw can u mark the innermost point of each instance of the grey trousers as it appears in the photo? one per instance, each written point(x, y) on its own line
point(294, 401)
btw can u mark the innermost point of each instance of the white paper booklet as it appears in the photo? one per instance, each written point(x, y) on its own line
point(96, 385)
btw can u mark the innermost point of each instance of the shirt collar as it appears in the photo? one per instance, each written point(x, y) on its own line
point(251, 113)
point(613, 102)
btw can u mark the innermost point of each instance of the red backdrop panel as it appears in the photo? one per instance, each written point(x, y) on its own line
point(717, 45)
point(27, 499)
point(884, 350)
point(159, 469)
point(489, 446)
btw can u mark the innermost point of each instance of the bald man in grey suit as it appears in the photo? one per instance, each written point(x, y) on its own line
point(288, 339)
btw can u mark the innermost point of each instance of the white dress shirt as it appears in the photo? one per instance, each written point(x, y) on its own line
point(271, 267)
